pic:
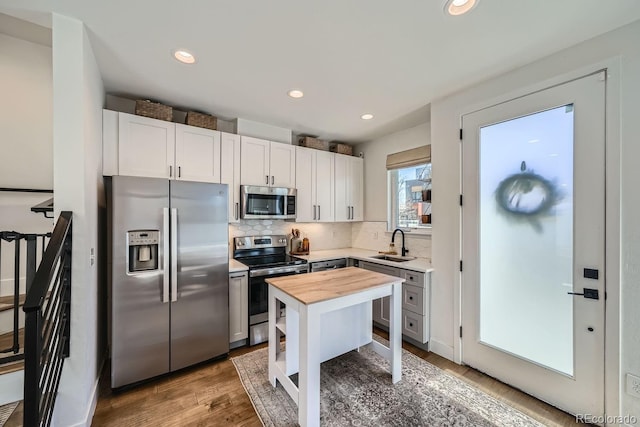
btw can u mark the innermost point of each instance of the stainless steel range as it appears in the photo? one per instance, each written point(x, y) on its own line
point(266, 256)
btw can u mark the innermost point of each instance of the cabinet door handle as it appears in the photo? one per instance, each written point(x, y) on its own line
point(314, 212)
point(411, 298)
point(272, 180)
point(179, 171)
point(267, 182)
point(170, 171)
point(318, 212)
point(348, 212)
point(237, 209)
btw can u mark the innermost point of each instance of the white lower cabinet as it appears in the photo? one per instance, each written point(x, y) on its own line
point(415, 301)
point(238, 306)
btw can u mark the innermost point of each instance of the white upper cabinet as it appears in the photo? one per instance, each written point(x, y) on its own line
point(141, 146)
point(314, 182)
point(283, 165)
point(254, 163)
point(197, 154)
point(267, 163)
point(349, 173)
point(146, 147)
point(230, 171)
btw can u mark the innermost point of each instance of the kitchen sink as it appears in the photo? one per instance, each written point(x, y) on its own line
point(394, 258)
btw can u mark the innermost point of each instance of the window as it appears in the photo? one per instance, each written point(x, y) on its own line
point(409, 189)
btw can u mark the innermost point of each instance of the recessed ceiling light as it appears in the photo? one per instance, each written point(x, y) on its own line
point(366, 116)
point(458, 7)
point(295, 93)
point(184, 56)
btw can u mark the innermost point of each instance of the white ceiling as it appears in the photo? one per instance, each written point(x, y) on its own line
point(388, 58)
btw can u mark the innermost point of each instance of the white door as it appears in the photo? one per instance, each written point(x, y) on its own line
point(254, 163)
point(305, 197)
point(342, 188)
point(323, 177)
point(146, 147)
point(282, 164)
point(533, 232)
point(230, 171)
point(357, 191)
point(197, 154)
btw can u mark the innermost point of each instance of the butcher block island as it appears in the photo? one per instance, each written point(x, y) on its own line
point(327, 313)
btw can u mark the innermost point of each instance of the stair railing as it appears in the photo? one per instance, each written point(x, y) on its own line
point(47, 310)
point(33, 240)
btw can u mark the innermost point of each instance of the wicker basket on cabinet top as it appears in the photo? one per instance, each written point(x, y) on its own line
point(311, 142)
point(341, 148)
point(201, 120)
point(154, 110)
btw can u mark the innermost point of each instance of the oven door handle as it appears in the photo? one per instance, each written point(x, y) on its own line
point(275, 271)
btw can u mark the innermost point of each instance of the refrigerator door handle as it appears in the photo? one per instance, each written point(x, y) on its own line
point(166, 257)
point(174, 254)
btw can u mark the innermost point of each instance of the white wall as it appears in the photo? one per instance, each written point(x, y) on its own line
point(77, 138)
point(372, 233)
point(26, 114)
point(375, 165)
point(26, 146)
point(618, 50)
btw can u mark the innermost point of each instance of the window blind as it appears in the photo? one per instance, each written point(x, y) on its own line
point(413, 157)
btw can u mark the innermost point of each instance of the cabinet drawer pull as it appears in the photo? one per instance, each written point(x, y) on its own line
point(411, 298)
point(410, 324)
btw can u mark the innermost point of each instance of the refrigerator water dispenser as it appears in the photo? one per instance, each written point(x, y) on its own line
point(142, 248)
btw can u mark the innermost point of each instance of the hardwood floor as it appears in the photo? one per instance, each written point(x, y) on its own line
point(6, 341)
point(212, 395)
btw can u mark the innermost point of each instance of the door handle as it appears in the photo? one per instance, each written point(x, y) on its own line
point(237, 209)
point(165, 255)
point(318, 212)
point(587, 293)
point(170, 171)
point(179, 171)
point(272, 180)
point(267, 177)
point(314, 212)
point(174, 254)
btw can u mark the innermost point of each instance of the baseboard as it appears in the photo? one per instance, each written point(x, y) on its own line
point(441, 349)
point(11, 387)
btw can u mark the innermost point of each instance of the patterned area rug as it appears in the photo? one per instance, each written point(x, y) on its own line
point(356, 390)
point(6, 411)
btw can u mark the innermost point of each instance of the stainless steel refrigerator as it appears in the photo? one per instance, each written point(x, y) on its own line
point(169, 275)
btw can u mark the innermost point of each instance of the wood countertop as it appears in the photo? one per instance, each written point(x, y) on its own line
point(325, 285)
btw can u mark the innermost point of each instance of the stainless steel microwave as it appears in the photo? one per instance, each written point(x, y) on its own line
point(258, 202)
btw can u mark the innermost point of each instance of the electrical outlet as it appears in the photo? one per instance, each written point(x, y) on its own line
point(633, 385)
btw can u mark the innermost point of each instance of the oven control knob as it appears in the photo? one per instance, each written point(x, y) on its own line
point(240, 243)
point(282, 241)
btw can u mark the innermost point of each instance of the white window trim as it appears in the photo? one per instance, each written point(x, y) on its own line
point(392, 219)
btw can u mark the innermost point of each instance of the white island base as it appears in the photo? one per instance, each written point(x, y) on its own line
point(328, 313)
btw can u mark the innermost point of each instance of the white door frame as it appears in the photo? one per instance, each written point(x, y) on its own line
point(613, 376)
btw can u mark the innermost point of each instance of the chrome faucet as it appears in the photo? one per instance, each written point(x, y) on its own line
point(393, 236)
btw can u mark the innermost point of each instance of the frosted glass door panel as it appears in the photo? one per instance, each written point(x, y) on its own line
point(526, 237)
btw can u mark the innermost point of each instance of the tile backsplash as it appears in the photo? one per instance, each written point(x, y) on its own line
point(365, 235)
point(321, 235)
point(374, 236)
